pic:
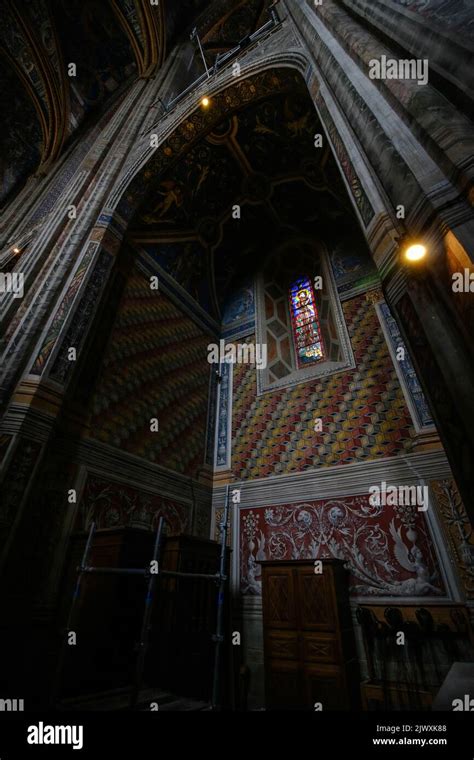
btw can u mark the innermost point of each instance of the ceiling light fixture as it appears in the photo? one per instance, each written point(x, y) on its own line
point(415, 252)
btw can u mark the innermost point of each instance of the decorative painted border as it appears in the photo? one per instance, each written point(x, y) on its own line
point(222, 452)
point(240, 331)
point(360, 196)
point(349, 480)
point(405, 370)
point(244, 327)
point(459, 533)
point(211, 426)
point(77, 332)
point(49, 341)
point(433, 525)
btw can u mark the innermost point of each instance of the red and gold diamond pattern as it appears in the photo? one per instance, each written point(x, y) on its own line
point(155, 366)
point(363, 411)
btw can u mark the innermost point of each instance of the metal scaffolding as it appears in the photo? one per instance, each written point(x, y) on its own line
point(153, 572)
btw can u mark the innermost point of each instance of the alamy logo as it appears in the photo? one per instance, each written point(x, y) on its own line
point(402, 496)
point(463, 282)
point(465, 705)
point(42, 734)
point(240, 353)
point(416, 69)
point(12, 282)
point(12, 705)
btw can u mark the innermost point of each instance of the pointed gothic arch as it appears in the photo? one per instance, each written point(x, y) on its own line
point(74, 304)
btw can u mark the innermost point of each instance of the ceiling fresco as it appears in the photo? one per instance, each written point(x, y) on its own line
point(145, 26)
point(230, 22)
point(21, 139)
point(181, 15)
point(92, 38)
point(263, 159)
point(38, 39)
point(111, 42)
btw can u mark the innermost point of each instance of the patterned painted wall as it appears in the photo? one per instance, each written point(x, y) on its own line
point(388, 549)
point(363, 411)
point(112, 505)
point(155, 366)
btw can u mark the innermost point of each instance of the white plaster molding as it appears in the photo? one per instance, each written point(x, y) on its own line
point(341, 480)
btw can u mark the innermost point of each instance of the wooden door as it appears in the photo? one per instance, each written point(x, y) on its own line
point(279, 609)
point(317, 602)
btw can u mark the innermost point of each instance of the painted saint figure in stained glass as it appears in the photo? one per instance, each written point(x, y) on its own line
point(305, 322)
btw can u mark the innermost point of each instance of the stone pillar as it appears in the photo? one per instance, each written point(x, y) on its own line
point(69, 266)
point(414, 177)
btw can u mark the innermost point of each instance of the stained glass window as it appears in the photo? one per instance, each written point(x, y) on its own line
point(305, 322)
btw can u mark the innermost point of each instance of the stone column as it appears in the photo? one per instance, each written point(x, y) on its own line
point(68, 268)
point(406, 153)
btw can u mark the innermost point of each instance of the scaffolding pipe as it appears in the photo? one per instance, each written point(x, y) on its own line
point(147, 612)
point(140, 571)
point(219, 636)
point(205, 576)
point(195, 36)
point(220, 578)
point(221, 59)
point(72, 609)
point(115, 570)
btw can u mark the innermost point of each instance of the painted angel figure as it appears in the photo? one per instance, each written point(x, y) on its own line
point(413, 561)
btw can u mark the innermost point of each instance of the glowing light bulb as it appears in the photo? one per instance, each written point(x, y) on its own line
point(205, 102)
point(415, 252)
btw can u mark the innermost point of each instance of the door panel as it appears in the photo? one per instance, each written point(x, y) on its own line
point(283, 645)
point(319, 647)
point(284, 685)
point(325, 684)
point(316, 594)
point(279, 600)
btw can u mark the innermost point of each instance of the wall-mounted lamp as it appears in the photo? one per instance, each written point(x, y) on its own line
point(412, 250)
point(415, 252)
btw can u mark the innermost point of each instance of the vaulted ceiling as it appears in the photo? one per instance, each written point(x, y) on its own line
point(228, 23)
point(110, 42)
point(263, 159)
point(39, 39)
